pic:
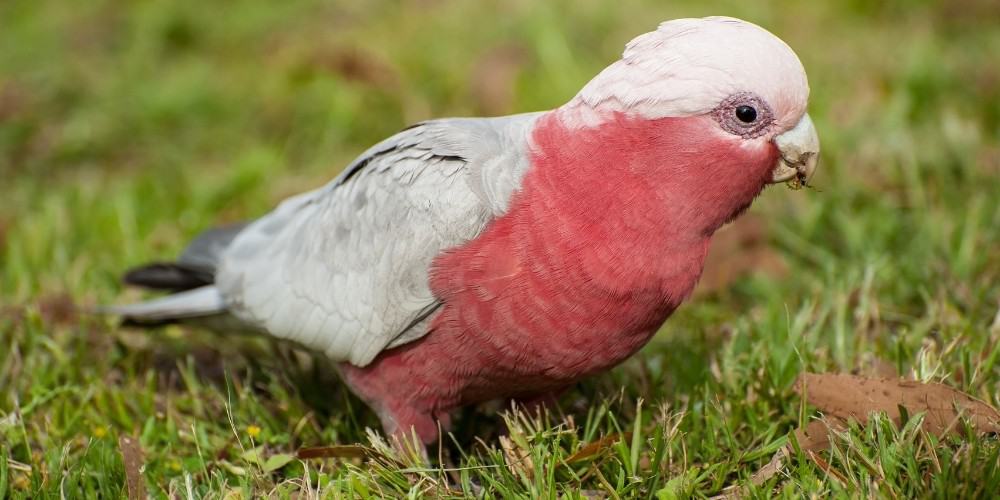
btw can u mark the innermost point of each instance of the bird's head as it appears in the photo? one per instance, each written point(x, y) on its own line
point(722, 103)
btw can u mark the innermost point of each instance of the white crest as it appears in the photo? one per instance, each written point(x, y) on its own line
point(688, 66)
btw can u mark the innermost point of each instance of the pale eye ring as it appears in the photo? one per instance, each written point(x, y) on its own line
point(744, 114)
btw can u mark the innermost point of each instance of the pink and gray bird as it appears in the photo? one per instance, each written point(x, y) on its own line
point(471, 259)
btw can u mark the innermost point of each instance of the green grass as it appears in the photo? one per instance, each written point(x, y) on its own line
point(127, 127)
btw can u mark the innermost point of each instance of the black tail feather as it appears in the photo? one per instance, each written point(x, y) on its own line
point(170, 276)
point(130, 322)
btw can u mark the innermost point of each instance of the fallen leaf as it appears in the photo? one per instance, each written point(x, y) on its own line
point(849, 397)
point(843, 397)
point(132, 459)
point(827, 468)
point(815, 436)
point(593, 448)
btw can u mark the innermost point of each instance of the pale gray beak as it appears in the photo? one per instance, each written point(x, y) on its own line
point(799, 149)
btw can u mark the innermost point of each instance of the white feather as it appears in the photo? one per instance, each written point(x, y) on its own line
point(688, 66)
point(190, 304)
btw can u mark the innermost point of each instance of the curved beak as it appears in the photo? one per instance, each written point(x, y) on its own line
point(799, 148)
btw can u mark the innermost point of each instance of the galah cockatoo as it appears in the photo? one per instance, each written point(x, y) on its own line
point(472, 259)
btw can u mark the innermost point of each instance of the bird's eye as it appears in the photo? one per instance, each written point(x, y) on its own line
point(746, 114)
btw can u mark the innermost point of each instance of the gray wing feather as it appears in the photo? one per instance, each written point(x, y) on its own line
point(344, 269)
point(205, 251)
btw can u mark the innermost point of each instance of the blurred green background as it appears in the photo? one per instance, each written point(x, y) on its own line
point(127, 126)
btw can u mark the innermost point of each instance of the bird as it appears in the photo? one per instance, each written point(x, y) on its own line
point(465, 260)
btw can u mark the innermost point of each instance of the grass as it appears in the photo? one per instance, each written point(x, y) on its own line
point(127, 127)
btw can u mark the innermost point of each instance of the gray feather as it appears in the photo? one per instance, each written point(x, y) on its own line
point(202, 301)
point(204, 251)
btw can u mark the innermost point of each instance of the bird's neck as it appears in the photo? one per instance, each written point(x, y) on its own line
point(644, 195)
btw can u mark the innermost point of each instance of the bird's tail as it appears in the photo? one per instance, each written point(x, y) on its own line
point(189, 280)
point(190, 304)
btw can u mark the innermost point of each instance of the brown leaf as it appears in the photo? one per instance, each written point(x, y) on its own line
point(739, 249)
point(593, 448)
point(827, 468)
point(843, 397)
point(815, 436)
point(132, 458)
point(336, 451)
point(852, 397)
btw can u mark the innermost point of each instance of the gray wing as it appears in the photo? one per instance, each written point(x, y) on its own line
point(344, 269)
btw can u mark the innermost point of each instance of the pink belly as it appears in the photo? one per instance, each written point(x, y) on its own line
point(520, 355)
point(461, 362)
